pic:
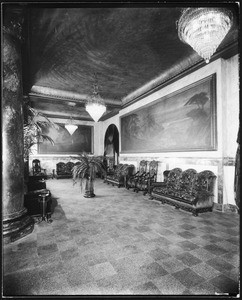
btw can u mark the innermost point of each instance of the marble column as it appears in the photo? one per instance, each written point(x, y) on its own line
point(16, 222)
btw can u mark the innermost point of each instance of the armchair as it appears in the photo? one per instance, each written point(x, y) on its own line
point(132, 180)
point(118, 178)
point(110, 167)
point(144, 182)
point(37, 170)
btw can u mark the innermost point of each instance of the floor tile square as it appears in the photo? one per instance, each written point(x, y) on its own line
point(202, 254)
point(188, 259)
point(47, 249)
point(219, 264)
point(102, 270)
point(205, 288)
point(158, 254)
point(211, 238)
point(215, 249)
point(225, 284)
point(232, 258)
point(169, 285)
point(187, 226)
point(148, 288)
point(187, 245)
point(188, 278)
point(205, 270)
point(172, 265)
point(79, 276)
point(186, 234)
point(153, 270)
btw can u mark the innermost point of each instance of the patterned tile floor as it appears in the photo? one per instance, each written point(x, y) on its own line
point(122, 243)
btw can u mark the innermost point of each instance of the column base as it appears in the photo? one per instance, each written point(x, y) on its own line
point(17, 227)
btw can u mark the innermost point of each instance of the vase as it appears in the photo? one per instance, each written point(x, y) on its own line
point(89, 188)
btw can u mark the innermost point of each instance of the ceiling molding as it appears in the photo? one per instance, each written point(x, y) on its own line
point(225, 53)
point(53, 116)
point(109, 115)
point(40, 91)
point(76, 103)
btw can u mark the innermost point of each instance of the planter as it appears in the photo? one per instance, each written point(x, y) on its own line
point(89, 188)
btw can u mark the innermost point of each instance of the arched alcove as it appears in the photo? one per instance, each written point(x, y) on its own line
point(111, 143)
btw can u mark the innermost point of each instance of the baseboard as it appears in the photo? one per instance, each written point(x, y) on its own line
point(225, 207)
point(230, 208)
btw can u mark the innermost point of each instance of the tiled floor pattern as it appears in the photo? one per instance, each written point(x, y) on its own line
point(120, 242)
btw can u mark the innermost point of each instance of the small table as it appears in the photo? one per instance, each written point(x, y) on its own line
point(43, 200)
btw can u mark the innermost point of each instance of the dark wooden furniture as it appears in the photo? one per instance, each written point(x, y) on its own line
point(121, 175)
point(36, 183)
point(63, 170)
point(144, 182)
point(132, 180)
point(116, 178)
point(187, 190)
point(110, 167)
point(37, 170)
point(38, 204)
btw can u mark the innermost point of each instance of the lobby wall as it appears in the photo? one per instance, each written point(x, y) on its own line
point(220, 161)
point(49, 161)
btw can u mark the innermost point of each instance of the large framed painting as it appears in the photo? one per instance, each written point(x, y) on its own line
point(182, 121)
point(80, 141)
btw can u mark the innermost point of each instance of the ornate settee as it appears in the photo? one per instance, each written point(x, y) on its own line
point(63, 170)
point(187, 190)
point(120, 175)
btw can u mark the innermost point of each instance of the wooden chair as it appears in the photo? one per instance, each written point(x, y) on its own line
point(144, 183)
point(132, 180)
point(37, 170)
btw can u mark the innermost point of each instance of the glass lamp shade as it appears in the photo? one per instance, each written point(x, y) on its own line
point(71, 128)
point(204, 29)
point(95, 110)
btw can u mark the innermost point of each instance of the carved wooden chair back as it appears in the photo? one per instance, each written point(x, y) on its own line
point(153, 168)
point(36, 167)
point(143, 167)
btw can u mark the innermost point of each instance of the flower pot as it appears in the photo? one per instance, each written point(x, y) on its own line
point(89, 188)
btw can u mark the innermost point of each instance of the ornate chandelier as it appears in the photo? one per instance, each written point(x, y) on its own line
point(70, 127)
point(95, 105)
point(204, 29)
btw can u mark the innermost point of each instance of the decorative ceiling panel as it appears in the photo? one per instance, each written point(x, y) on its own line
point(128, 48)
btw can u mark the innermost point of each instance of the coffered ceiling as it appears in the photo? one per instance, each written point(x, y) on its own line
point(132, 50)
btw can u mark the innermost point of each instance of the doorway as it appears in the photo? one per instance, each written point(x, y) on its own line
point(111, 143)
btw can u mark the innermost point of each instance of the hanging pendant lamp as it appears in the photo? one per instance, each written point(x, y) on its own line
point(204, 29)
point(95, 105)
point(70, 127)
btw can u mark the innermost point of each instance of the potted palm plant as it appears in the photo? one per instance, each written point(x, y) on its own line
point(34, 123)
point(85, 170)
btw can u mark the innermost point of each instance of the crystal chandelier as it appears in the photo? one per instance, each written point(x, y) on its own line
point(204, 29)
point(71, 128)
point(95, 105)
